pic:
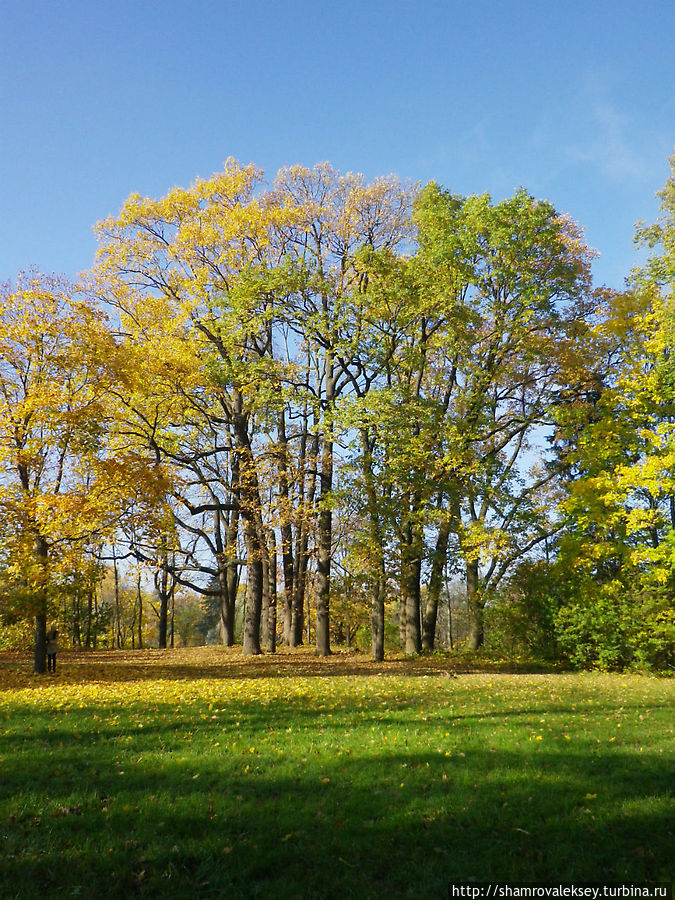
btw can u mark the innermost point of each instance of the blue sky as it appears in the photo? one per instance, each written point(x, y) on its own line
point(573, 100)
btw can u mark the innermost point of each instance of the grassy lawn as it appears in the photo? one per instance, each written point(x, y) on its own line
point(200, 774)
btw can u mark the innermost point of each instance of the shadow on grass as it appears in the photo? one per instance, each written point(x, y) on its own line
point(347, 833)
point(100, 820)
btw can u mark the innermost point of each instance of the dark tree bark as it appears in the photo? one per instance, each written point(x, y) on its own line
point(324, 555)
point(475, 607)
point(435, 582)
point(117, 627)
point(270, 611)
point(325, 523)
point(172, 595)
point(77, 612)
point(163, 592)
point(249, 494)
point(90, 615)
point(40, 649)
point(140, 612)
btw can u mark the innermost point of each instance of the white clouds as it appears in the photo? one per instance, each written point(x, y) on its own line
point(609, 138)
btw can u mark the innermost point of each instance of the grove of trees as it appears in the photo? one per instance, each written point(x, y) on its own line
point(328, 404)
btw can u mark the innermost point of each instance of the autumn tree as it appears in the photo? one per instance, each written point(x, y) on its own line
point(617, 553)
point(332, 352)
point(193, 276)
point(52, 379)
point(339, 217)
point(494, 295)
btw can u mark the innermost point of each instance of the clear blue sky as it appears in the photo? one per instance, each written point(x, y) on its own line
point(100, 98)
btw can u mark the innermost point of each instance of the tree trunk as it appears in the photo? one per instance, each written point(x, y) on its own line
point(266, 587)
point(94, 638)
point(308, 617)
point(249, 493)
point(40, 651)
point(411, 572)
point(77, 612)
point(377, 621)
point(475, 607)
point(302, 545)
point(450, 641)
point(40, 648)
point(299, 583)
point(413, 638)
point(285, 519)
point(270, 616)
point(325, 549)
point(90, 615)
point(435, 583)
point(226, 552)
point(325, 524)
point(226, 604)
point(162, 586)
point(117, 623)
point(140, 612)
point(378, 579)
point(254, 592)
point(400, 616)
point(172, 595)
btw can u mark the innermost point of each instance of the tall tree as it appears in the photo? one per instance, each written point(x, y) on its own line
point(193, 276)
point(337, 217)
point(510, 279)
point(620, 454)
point(51, 420)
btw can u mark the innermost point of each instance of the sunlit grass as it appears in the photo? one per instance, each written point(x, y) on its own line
point(133, 775)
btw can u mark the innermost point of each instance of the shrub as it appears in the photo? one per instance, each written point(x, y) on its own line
point(611, 627)
point(521, 618)
point(17, 635)
point(594, 632)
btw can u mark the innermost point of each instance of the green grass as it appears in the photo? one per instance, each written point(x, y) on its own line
point(199, 774)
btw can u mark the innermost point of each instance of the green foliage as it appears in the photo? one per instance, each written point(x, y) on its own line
point(191, 624)
point(366, 370)
point(520, 620)
point(596, 631)
point(655, 632)
point(611, 627)
point(659, 272)
point(616, 443)
point(16, 635)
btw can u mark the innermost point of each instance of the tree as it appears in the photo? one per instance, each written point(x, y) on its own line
point(52, 379)
point(337, 218)
point(193, 276)
point(463, 351)
point(510, 280)
point(620, 448)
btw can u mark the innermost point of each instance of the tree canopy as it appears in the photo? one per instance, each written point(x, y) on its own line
point(332, 399)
